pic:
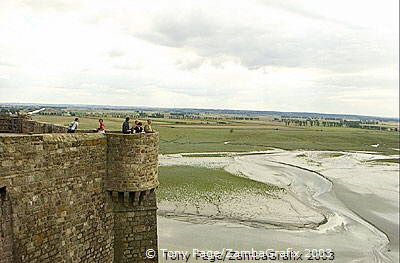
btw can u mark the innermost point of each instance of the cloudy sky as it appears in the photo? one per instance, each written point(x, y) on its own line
point(338, 56)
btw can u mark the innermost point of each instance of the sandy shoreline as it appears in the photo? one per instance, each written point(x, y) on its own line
point(340, 188)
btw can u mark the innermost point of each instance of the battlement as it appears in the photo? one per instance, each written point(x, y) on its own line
point(132, 162)
point(83, 197)
point(24, 124)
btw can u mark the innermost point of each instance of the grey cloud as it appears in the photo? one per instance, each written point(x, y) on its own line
point(115, 53)
point(7, 64)
point(357, 81)
point(189, 64)
point(177, 31)
point(200, 90)
point(125, 67)
point(51, 5)
point(295, 8)
point(259, 45)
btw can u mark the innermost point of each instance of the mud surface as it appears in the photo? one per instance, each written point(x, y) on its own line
point(357, 199)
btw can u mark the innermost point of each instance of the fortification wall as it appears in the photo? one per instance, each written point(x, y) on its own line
point(34, 127)
point(23, 124)
point(10, 124)
point(59, 208)
point(132, 162)
point(132, 175)
point(135, 227)
point(83, 197)
point(6, 233)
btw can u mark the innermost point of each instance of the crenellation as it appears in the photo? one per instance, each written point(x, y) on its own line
point(83, 197)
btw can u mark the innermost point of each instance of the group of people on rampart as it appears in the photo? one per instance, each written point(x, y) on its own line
point(138, 127)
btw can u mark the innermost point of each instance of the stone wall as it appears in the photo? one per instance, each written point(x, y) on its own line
point(23, 124)
point(83, 197)
point(59, 208)
point(10, 124)
point(132, 162)
point(135, 228)
point(6, 233)
point(34, 127)
point(132, 175)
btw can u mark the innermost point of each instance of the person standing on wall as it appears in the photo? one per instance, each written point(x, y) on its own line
point(73, 126)
point(148, 128)
point(102, 126)
point(125, 126)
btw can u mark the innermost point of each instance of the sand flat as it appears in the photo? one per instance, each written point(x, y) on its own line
point(310, 178)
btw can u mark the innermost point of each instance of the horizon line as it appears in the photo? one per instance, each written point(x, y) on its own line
point(195, 108)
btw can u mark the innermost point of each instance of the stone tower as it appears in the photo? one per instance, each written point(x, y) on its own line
point(131, 181)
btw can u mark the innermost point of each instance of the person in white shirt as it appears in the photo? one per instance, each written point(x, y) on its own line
point(73, 126)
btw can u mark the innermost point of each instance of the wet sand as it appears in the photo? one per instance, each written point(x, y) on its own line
point(359, 200)
point(367, 207)
point(177, 235)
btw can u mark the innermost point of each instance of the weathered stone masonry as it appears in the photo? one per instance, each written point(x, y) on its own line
point(77, 197)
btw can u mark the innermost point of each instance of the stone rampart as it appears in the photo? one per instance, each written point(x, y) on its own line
point(132, 162)
point(54, 182)
point(34, 127)
point(10, 124)
point(135, 227)
point(6, 232)
point(132, 175)
point(23, 124)
point(83, 197)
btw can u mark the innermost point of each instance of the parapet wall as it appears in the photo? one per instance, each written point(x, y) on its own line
point(54, 182)
point(132, 162)
point(77, 197)
point(34, 127)
point(23, 124)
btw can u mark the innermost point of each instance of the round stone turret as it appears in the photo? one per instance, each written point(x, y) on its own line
point(132, 162)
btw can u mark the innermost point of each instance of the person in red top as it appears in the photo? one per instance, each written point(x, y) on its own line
point(102, 127)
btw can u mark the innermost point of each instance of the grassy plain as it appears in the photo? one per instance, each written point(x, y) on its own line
point(198, 185)
point(392, 160)
point(235, 136)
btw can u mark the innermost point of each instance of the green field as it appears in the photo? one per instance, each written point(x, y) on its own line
point(379, 161)
point(264, 137)
point(198, 185)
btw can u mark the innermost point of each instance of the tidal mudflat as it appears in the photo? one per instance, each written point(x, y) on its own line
point(344, 201)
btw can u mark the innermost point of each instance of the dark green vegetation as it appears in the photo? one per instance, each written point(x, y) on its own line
point(175, 140)
point(393, 160)
point(206, 155)
point(332, 155)
point(192, 184)
point(259, 137)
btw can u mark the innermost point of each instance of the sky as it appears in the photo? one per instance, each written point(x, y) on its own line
point(331, 56)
